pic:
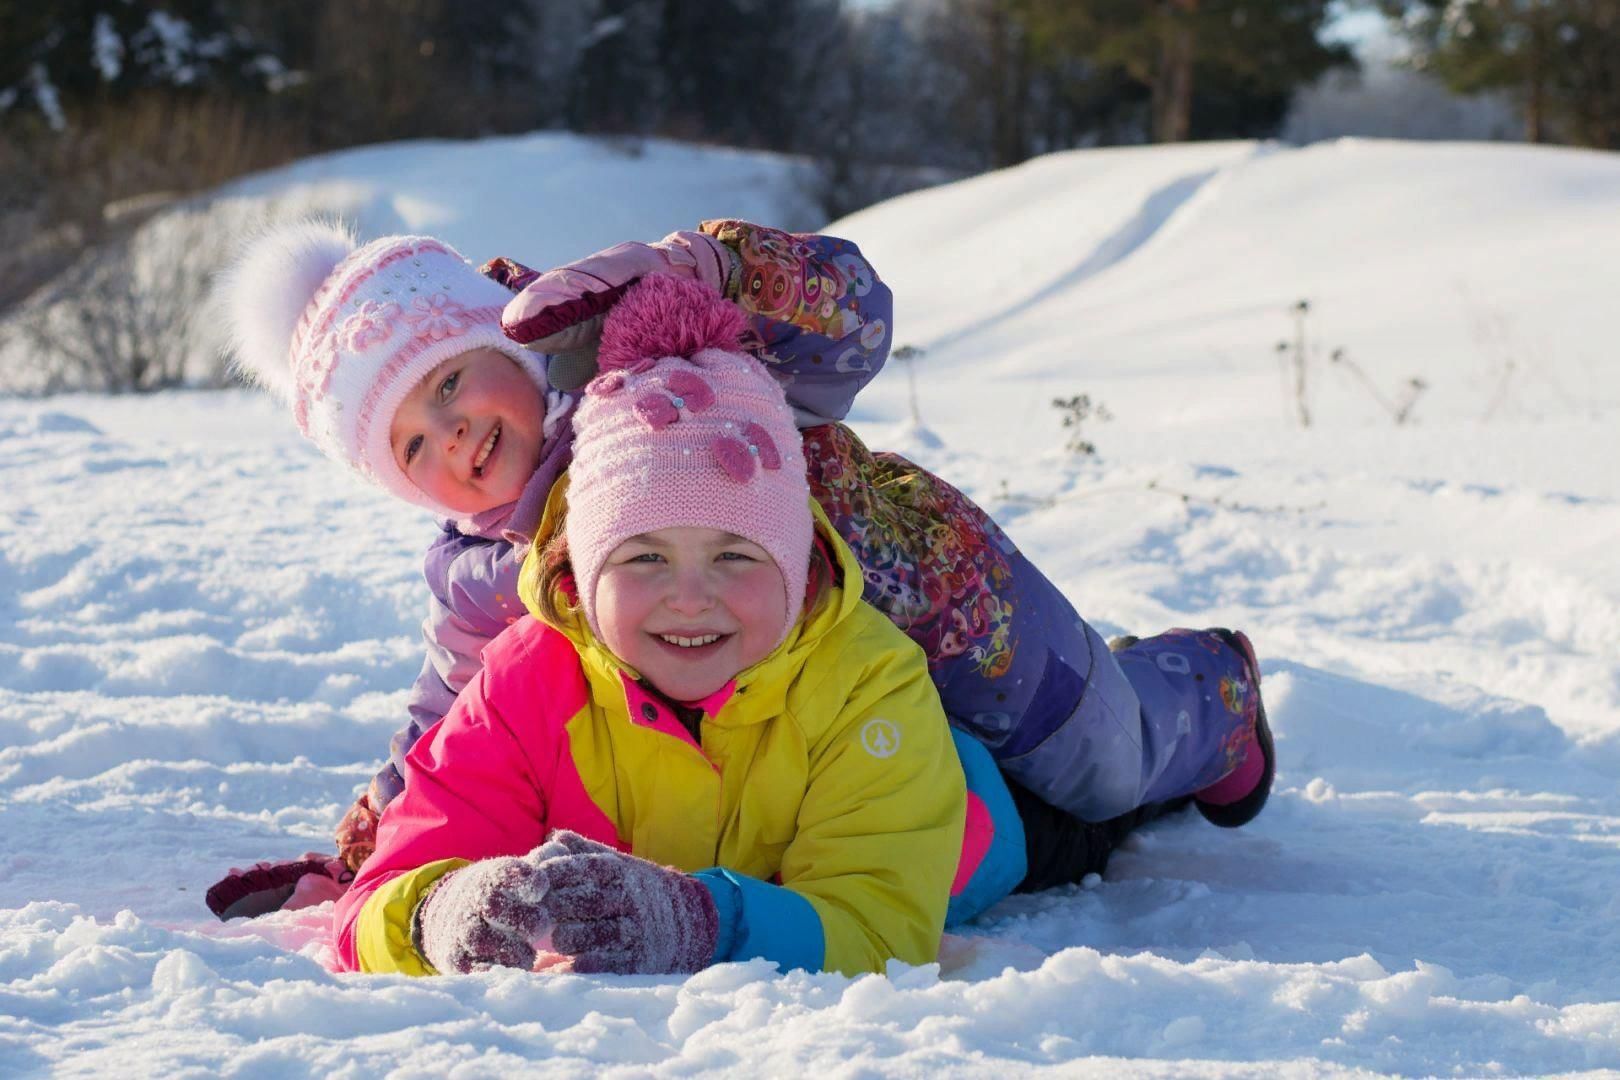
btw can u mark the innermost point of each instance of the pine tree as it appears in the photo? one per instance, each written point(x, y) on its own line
point(1216, 67)
point(1560, 57)
point(60, 57)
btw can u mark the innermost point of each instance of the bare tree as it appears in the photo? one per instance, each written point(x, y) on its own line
point(109, 333)
point(134, 314)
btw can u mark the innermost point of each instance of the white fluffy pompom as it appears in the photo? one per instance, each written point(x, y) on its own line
point(266, 291)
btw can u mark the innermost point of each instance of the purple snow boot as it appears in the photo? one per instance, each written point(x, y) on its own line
point(1203, 720)
point(1239, 796)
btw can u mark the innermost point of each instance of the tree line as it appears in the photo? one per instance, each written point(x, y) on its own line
point(121, 97)
point(101, 100)
point(108, 108)
point(1559, 58)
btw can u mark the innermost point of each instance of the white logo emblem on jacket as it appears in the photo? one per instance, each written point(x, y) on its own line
point(881, 738)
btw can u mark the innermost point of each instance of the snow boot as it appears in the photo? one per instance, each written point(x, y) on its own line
point(278, 886)
point(1238, 797)
point(1202, 720)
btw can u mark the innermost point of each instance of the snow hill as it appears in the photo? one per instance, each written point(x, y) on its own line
point(206, 631)
point(544, 198)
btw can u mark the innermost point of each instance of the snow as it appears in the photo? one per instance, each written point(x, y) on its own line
point(206, 632)
point(171, 45)
point(106, 48)
point(46, 97)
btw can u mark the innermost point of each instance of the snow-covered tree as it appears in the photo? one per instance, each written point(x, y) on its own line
point(54, 57)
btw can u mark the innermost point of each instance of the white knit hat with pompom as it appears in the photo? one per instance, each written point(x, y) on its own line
point(343, 332)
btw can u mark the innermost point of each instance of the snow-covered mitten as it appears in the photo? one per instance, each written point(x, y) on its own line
point(484, 915)
point(560, 312)
point(622, 915)
point(288, 885)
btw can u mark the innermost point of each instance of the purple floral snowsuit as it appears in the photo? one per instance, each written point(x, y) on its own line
point(1087, 731)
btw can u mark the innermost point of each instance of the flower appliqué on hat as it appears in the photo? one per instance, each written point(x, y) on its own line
point(436, 317)
point(315, 378)
point(739, 452)
point(740, 456)
point(372, 323)
point(685, 390)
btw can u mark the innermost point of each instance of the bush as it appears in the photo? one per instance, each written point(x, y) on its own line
point(135, 313)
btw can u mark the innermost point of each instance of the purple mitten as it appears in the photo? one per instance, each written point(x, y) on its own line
point(616, 913)
point(488, 914)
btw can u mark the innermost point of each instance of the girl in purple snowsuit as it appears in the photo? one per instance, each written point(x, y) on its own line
point(1089, 740)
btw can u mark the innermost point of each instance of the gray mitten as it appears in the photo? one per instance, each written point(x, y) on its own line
point(613, 912)
point(488, 914)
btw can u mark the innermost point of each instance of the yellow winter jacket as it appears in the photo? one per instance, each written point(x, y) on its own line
point(824, 806)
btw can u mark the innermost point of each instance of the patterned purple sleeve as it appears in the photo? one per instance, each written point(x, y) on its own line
point(509, 272)
point(818, 315)
point(472, 585)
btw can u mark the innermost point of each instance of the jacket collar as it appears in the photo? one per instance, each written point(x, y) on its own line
point(647, 708)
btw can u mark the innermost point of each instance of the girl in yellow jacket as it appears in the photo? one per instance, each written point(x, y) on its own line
point(706, 747)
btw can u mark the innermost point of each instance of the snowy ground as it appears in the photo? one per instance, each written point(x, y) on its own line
point(205, 633)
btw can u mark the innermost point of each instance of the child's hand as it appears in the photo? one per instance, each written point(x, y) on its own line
point(560, 312)
point(485, 915)
point(616, 913)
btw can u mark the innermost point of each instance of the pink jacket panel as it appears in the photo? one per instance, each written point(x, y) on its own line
point(510, 742)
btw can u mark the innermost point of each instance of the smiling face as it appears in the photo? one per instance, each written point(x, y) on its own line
point(469, 434)
point(690, 608)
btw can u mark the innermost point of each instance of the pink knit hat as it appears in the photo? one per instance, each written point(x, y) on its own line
point(683, 430)
point(343, 333)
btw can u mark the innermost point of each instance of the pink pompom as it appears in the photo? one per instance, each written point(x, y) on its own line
point(663, 316)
